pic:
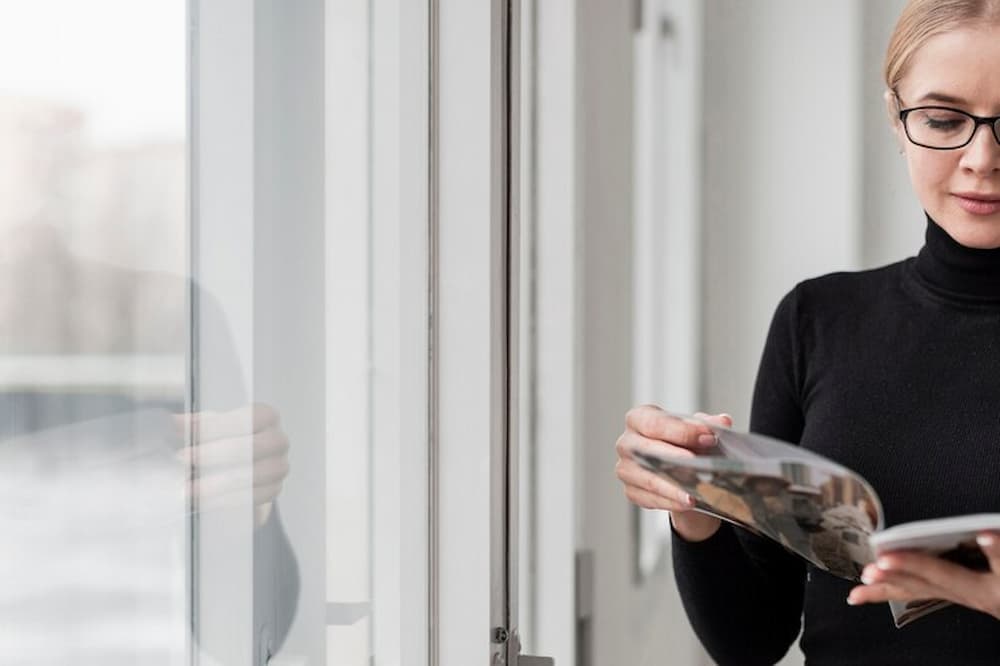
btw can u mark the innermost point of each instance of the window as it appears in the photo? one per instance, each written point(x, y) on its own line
point(246, 413)
point(93, 321)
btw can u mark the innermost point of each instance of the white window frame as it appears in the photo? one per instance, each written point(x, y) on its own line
point(400, 331)
point(474, 378)
point(557, 350)
point(379, 307)
point(435, 252)
point(667, 236)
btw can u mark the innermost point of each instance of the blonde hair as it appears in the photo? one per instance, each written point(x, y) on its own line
point(923, 19)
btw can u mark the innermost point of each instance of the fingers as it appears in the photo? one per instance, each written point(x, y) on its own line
point(911, 576)
point(231, 451)
point(262, 506)
point(207, 425)
point(261, 513)
point(721, 419)
point(937, 572)
point(884, 583)
point(653, 423)
point(266, 494)
point(630, 442)
point(650, 428)
point(989, 543)
point(648, 490)
point(896, 586)
point(648, 500)
point(264, 477)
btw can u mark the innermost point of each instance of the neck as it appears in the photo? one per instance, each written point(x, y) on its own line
point(960, 272)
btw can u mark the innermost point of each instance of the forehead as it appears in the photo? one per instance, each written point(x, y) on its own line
point(962, 63)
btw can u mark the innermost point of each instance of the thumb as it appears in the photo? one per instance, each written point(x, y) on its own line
point(989, 542)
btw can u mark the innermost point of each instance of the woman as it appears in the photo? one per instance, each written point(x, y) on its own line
point(894, 372)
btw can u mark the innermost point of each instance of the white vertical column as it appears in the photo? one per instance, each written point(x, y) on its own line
point(778, 208)
point(413, 341)
point(667, 274)
point(558, 349)
point(348, 327)
point(527, 317)
point(605, 185)
point(892, 220)
point(400, 318)
point(469, 352)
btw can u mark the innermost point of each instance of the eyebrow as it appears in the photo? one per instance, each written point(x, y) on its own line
point(941, 97)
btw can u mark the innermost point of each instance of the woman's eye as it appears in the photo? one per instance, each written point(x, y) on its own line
point(944, 122)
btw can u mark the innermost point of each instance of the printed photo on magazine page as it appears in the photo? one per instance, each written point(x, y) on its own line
point(814, 507)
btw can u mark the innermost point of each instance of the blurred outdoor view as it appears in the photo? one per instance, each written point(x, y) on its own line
point(93, 331)
point(93, 183)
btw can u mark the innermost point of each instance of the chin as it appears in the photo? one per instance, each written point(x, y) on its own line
point(974, 232)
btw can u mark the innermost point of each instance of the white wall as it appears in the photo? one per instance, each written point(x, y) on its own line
point(555, 422)
point(799, 177)
point(892, 219)
point(777, 207)
point(605, 181)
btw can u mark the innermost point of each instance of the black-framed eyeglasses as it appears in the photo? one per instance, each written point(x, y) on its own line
point(944, 128)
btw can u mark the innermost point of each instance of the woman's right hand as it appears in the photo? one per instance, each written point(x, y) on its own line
point(648, 427)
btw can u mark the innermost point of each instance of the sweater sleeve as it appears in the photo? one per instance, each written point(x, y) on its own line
point(743, 593)
point(276, 577)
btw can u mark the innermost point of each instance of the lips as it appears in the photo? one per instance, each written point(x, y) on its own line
point(977, 203)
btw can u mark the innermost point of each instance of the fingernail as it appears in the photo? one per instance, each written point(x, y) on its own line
point(986, 540)
point(706, 440)
point(691, 501)
point(851, 601)
point(866, 579)
point(883, 564)
point(725, 416)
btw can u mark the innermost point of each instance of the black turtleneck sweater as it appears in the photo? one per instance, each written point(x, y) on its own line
point(895, 373)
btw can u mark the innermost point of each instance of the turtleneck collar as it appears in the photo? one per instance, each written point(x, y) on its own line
point(958, 272)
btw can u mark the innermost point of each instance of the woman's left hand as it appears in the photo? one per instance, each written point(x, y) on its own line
point(230, 453)
point(912, 576)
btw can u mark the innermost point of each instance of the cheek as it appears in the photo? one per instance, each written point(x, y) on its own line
point(931, 173)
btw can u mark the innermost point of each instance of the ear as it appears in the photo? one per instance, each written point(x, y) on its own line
point(892, 108)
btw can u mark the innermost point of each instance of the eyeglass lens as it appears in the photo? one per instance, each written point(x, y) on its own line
point(943, 128)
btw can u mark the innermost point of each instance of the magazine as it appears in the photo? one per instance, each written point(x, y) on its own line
point(814, 507)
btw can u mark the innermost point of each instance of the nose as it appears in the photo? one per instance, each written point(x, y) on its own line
point(982, 155)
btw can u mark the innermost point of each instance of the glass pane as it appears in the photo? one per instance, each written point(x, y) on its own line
point(301, 252)
point(93, 332)
point(212, 427)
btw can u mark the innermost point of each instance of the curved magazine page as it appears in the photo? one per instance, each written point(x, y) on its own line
point(953, 539)
point(814, 507)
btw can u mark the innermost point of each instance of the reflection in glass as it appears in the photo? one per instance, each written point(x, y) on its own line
point(92, 344)
point(101, 465)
